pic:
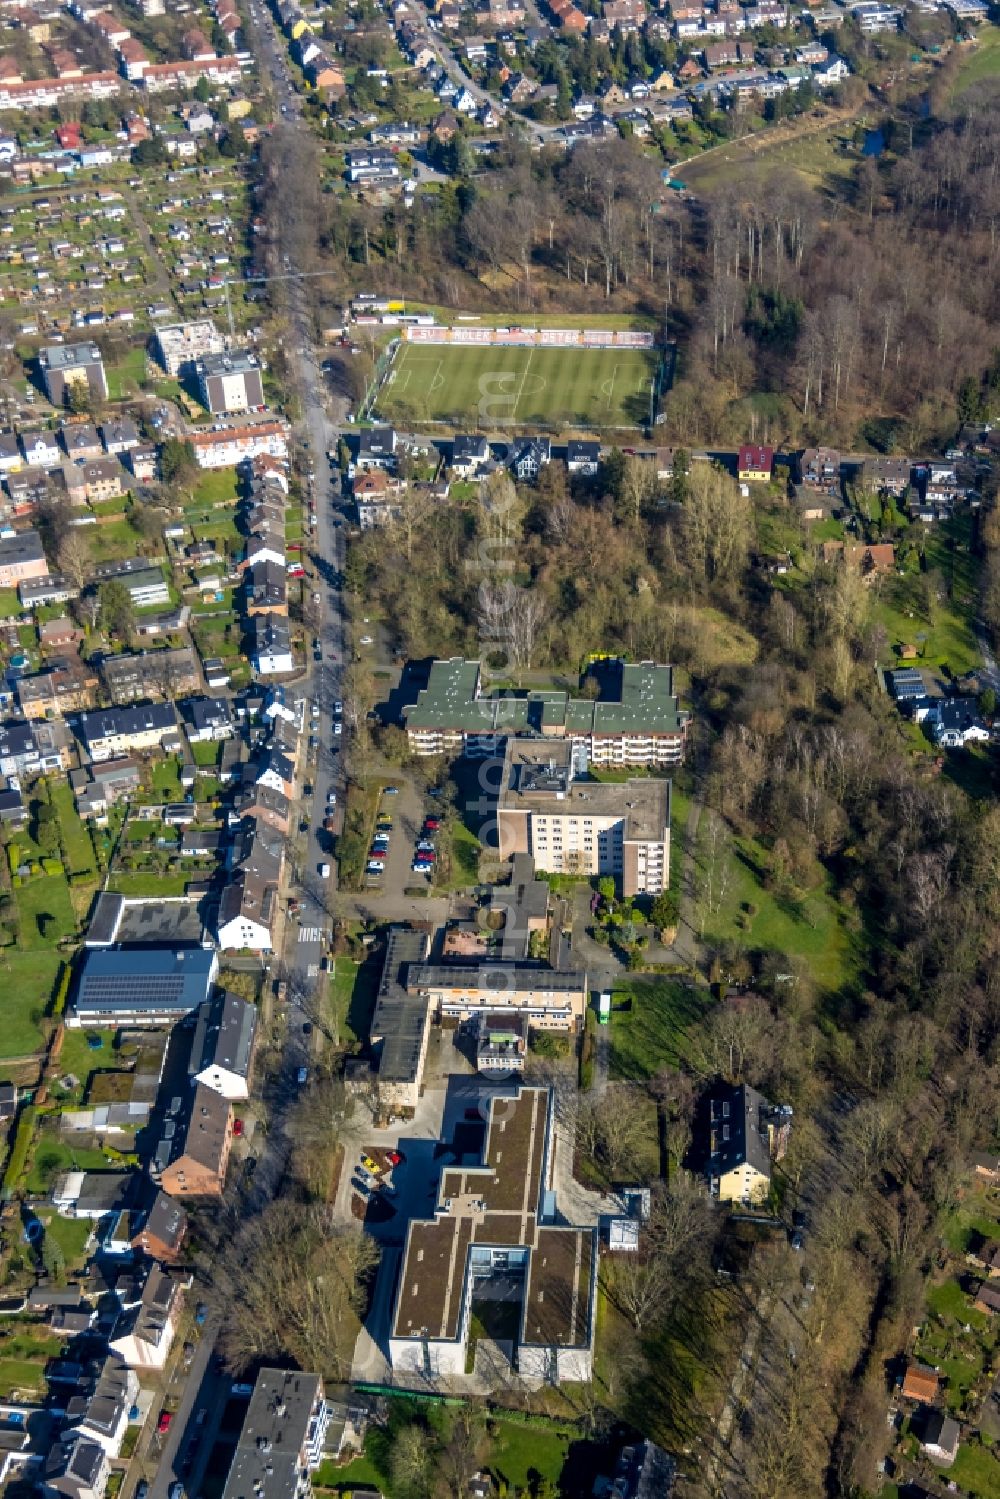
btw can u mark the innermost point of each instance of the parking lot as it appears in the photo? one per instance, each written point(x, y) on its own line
point(398, 828)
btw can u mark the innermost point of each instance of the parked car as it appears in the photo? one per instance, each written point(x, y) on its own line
point(371, 1165)
point(163, 1424)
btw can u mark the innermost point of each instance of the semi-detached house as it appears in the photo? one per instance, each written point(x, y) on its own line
point(112, 732)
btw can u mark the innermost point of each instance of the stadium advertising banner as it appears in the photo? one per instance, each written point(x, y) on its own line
point(539, 338)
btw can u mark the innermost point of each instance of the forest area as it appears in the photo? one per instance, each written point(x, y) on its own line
point(893, 1074)
point(864, 319)
point(861, 315)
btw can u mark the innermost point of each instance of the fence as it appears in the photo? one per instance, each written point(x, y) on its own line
point(537, 338)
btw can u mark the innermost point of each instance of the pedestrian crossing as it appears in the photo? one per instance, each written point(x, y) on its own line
point(310, 933)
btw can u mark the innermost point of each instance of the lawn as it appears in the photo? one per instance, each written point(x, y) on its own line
point(216, 487)
point(520, 1451)
point(72, 1235)
point(128, 371)
point(934, 609)
point(948, 639)
point(81, 1060)
point(981, 61)
point(353, 988)
point(974, 1218)
point(496, 386)
point(28, 980)
point(816, 158)
point(465, 848)
point(949, 1300)
point(343, 1478)
point(53, 1155)
point(656, 1031)
point(21, 1374)
point(166, 781)
point(149, 884)
point(808, 926)
point(9, 603)
point(976, 1472)
point(77, 847)
point(45, 911)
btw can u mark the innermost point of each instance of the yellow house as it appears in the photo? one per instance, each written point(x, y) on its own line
point(238, 108)
point(755, 463)
point(746, 1133)
point(299, 27)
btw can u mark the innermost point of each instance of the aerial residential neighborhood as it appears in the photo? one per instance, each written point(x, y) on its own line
point(499, 613)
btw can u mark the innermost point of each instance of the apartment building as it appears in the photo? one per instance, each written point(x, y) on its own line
point(635, 719)
point(65, 366)
point(230, 382)
point(179, 346)
point(22, 558)
point(282, 1440)
point(571, 825)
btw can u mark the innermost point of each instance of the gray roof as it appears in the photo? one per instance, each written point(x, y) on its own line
point(167, 1221)
point(225, 1035)
point(400, 1016)
point(125, 721)
point(70, 356)
point(24, 546)
point(265, 1464)
point(154, 980)
point(235, 362)
point(737, 1133)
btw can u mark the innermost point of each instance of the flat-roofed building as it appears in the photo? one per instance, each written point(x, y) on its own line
point(179, 346)
point(550, 999)
point(501, 1043)
point(66, 367)
point(401, 1022)
point(492, 1221)
point(282, 1440)
point(635, 721)
point(230, 382)
point(572, 825)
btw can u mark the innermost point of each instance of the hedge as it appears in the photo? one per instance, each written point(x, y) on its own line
point(52, 866)
point(19, 1155)
point(59, 1004)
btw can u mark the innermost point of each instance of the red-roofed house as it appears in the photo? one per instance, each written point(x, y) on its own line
point(755, 463)
point(113, 31)
point(70, 135)
point(196, 46)
point(133, 58)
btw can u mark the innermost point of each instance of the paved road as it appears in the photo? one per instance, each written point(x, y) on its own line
point(198, 1389)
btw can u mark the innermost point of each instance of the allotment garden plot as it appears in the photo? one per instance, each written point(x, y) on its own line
point(495, 385)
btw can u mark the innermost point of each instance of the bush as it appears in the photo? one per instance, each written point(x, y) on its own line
point(19, 1155)
point(62, 992)
point(52, 866)
point(13, 857)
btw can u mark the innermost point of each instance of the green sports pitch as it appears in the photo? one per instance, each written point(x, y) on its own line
point(494, 385)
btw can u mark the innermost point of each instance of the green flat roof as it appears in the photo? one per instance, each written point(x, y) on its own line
point(449, 701)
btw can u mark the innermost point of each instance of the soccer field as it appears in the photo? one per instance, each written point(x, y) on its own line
point(495, 386)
